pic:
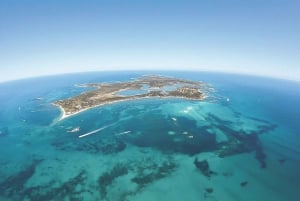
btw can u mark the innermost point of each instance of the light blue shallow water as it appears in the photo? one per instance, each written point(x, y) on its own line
point(247, 131)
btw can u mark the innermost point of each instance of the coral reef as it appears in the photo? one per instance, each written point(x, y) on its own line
point(157, 172)
point(71, 190)
point(203, 166)
point(13, 186)
point(102, 145)
point(244, 183)
point(107, 178)
point(209, 190)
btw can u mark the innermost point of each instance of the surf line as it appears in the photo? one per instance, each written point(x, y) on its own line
point(94, 131)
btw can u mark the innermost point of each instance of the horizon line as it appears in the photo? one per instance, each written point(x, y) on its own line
point(155, 70)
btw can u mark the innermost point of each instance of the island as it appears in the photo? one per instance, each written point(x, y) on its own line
point(153, 86)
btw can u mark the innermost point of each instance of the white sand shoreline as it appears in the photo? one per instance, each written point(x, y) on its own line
point(63, 114)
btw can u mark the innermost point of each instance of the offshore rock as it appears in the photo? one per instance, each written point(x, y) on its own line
point(203, 166)
point(209, 190)
point(244, 183)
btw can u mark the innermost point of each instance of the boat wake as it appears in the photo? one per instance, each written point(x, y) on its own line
point(94, 131)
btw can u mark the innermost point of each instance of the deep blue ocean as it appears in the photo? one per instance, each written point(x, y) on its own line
point(240, 144)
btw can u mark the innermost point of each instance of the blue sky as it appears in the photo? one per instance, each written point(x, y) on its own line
point(59, 36)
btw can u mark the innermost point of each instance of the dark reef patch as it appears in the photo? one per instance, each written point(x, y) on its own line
point(227, 174)
point(13, 186)
point(203, 166)
point(240, 141)
point(244, 183)
point(107, 178)
point(209, 190)
point(153, 172)
point(67, 191)
point(142, 174)
point(167, 135)
point(94, 144)
point(183, 135)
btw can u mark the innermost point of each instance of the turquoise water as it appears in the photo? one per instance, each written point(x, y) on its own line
point(242, 143)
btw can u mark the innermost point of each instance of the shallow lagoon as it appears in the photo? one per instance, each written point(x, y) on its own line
point(247, 132)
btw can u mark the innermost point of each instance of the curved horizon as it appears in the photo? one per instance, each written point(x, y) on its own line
point(150, 71)
point(57, 37)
